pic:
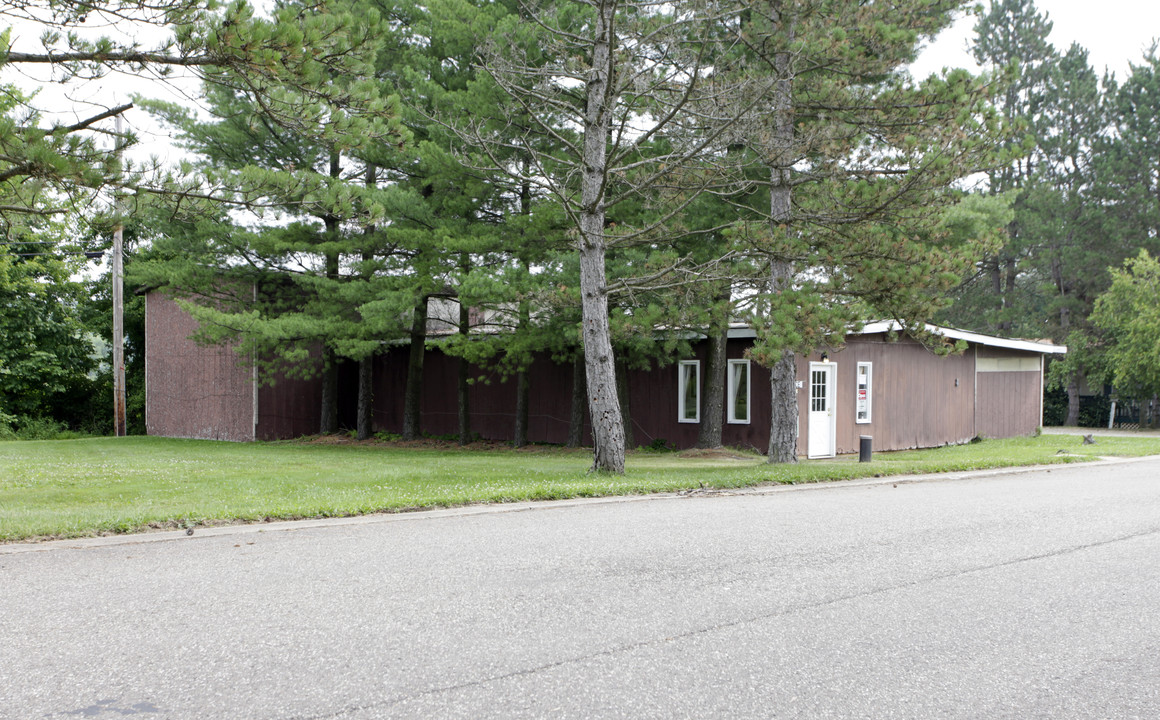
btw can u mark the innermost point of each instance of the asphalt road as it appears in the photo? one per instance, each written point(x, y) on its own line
point(1030, 595)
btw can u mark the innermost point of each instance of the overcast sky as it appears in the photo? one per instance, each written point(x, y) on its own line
point(1115, 32)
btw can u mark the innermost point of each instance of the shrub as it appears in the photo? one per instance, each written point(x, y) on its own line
point(34, 428)
point(659, 445)
point(1055, 406)
point(39, 428)
point(1093, 409)
point(6, 422)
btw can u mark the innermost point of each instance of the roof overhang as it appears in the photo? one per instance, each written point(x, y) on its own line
point(886, 326)
point(740, 330)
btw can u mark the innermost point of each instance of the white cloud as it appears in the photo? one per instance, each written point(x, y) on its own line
point(1115, 32)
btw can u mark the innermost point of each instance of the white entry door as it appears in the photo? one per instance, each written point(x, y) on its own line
point(822, 425)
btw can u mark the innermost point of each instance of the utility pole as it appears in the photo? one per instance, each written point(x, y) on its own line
point(118, 308)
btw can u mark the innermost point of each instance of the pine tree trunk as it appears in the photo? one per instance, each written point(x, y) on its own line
point(713, 417)
point(412, 393)
point(603, 406)
point(783, 412)
point(607, 424)
point(329, 407)
point(1064, 311)
point(1072, 418)
point(365, 397)
point(995, 269)
point(783, 420)
point(364, 425)
point(520, 436)
point(1008, 296)
point(576, 420)
point(521, 430)
point(464, 386)
point(622, 398)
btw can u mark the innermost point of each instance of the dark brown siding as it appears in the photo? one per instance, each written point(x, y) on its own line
point(755, 435)
point(192, 391)
point(492, 398)
point(653, 404)
point(918, 399)
point(390, 377)
point(290, 407)
point(1008, 401)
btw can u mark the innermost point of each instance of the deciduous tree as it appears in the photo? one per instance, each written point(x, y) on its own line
point(1129, 317)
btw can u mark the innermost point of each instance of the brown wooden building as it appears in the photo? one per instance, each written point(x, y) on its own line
point(893, 390)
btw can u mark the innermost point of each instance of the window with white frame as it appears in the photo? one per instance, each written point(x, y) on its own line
point(863, 382)
point(738, 378)
point(689, 391)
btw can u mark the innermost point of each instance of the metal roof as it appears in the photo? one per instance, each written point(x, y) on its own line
point(741, 330)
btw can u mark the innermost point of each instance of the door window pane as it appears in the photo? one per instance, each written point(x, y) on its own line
point(818, 389)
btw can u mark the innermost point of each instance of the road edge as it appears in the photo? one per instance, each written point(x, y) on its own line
point(530, 505)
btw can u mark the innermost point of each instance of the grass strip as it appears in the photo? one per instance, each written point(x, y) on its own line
point(74, 488)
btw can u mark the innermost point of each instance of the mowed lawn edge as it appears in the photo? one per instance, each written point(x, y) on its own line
point(75, 488)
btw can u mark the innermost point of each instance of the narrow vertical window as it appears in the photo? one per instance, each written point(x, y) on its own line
point(739, 392)
point(862, 385)
point(689, 391)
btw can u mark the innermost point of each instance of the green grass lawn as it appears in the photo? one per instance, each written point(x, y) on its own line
point(69, 488)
